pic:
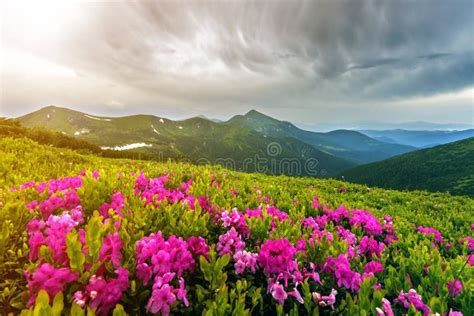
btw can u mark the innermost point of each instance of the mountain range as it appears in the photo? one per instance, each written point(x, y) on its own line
point(256, 142)
point(250, 142)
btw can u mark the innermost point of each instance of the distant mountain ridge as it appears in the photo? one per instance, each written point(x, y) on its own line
point(420, 139)
point(445, 168)
point(351, 145)
point(233, 142)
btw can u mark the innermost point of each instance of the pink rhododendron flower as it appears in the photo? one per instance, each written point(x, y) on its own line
point(71, 200)
point(254, 213)
point(198, 246)
point(470, 243)
point(372, 268)
point(230, 243)
point(315, 203)
point(32, 205)
point(344, 275)
point(312, 273)
point(144, 272)
point(234, 219)
point(387, 307)
point(454, 313)
point(431, 231)
point(296, 294)
point(414, 298)
point(105, 294)
point(52, 234)
point(243, 260)
point(346, 235)
point(276, 213)
point(309, 222)
point(337, 215)
point(116, 204)
point(95, 174)
point(276, 256)
point(324, 301)
point(48, 206)
point(455, 287)
point(79, 298)
point(278, 293)
point(182, 293)
point(52, 280)
point(163, 256)
point(366, 220)
point(111, 250)
point(389, 239)
point(370, 246)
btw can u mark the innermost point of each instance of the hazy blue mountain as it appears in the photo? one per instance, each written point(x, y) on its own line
point(419, 138)
point(351, 145)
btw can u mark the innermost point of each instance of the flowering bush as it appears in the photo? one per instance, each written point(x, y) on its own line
point(194, 240)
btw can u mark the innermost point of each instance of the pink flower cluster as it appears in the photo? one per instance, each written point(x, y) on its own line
point(387, 308)
point(245, 260)
point(198, 246)
point(47, 277)
point(234, 219)
point(413, 298)
point(101, 294)
point(372, 267)
point(455, 287)
point(366, 220)
point(276, 256)
point(431, 231)
point(117, 204)
point(325, 300)
point(154, 191)
point(166, 261)
point(53, 185)
point(341, 269)
point(370, 246)
point(230, 242)
point(52, 234)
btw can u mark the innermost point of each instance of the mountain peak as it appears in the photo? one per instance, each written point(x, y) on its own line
point(257, 115)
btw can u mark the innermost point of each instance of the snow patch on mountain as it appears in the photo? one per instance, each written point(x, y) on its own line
point(82, 131)
point(127, 147)
point(154, 129)
point(97, 118)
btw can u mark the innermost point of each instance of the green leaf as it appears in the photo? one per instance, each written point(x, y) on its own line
point(58, 304)
point(94, 233)
point(119, 311)
point(74, 252)
point(76, 310)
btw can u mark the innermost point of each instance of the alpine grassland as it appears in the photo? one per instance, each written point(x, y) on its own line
point(88, 235)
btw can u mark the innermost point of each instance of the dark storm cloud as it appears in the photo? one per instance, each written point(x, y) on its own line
point(200, 54)
point(320, 40)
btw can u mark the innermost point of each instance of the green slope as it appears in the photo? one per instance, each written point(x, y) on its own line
point(351, 145)
point(443, 168)
point(196, 139)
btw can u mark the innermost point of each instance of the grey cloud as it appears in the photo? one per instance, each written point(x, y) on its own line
point(227, 54)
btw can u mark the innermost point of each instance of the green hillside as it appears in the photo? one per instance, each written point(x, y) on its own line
point(444, 168)
point(196, 139)
point(114, 218)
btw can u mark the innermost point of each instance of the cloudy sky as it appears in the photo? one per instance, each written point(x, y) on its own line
point(316, 63)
